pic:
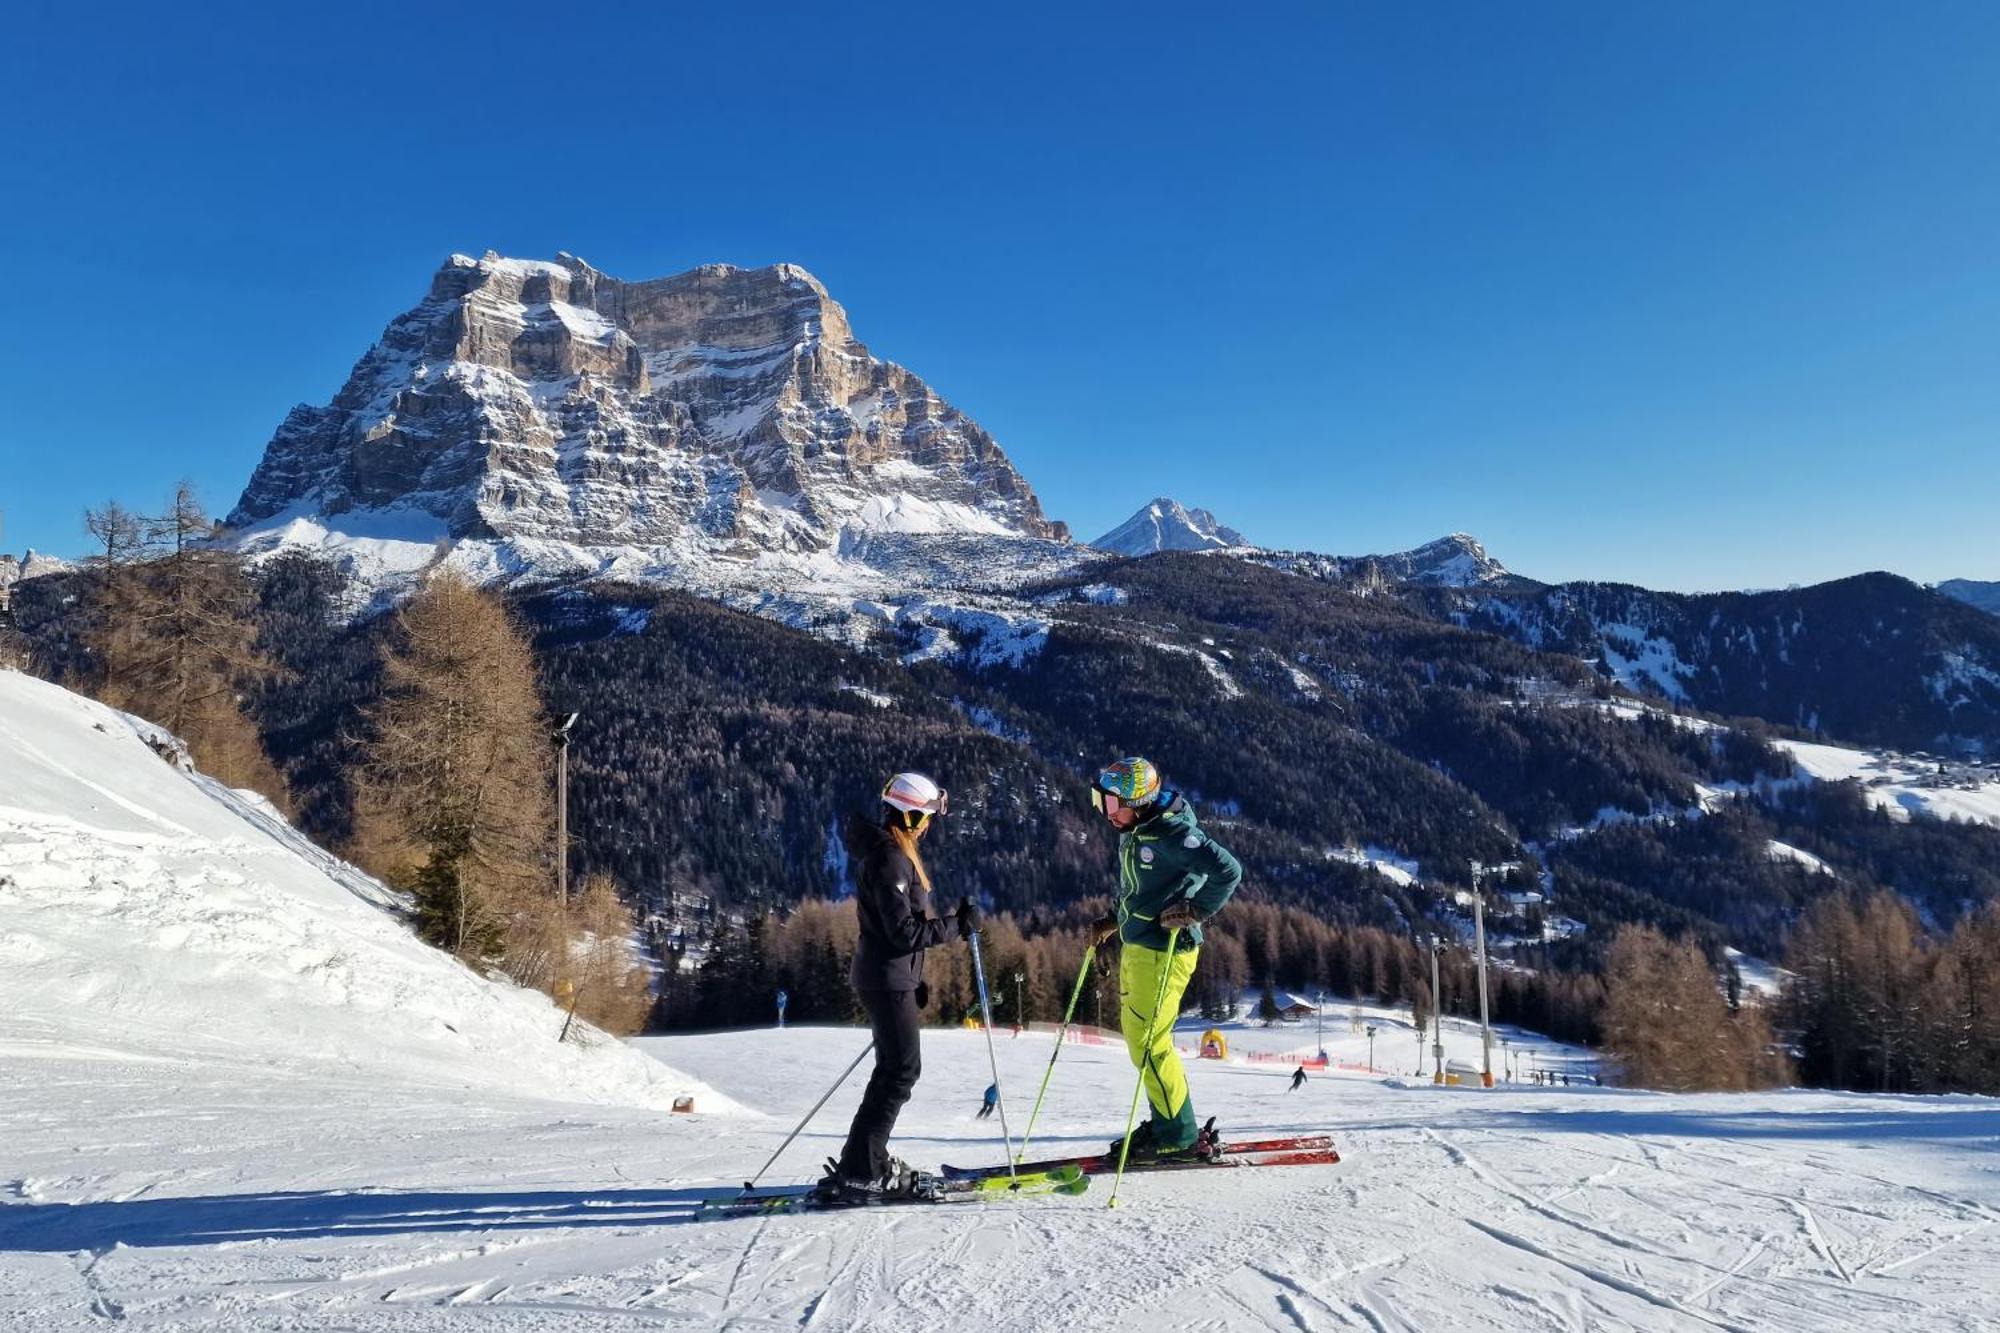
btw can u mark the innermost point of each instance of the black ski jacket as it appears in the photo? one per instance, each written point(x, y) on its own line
point(894, 911)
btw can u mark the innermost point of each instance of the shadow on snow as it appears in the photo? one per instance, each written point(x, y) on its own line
point(220, 1219)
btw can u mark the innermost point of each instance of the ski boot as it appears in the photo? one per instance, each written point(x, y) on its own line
point(903, 1181)
point(1142, 1149)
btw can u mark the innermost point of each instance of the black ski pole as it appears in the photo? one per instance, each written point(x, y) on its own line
point(845, 1074)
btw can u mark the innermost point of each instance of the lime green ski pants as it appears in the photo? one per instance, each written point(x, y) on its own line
point(1159, 1065)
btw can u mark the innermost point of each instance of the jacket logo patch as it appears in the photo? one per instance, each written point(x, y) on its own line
point(902, 887)
point(1146, 855)
point(1191, 841)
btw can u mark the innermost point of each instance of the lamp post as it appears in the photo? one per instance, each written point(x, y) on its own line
point(1319, 1022)
point(1020, 1014)
point(1437, 1014)
point(561, 738)
point(1371, 1048)
point(1479, 934)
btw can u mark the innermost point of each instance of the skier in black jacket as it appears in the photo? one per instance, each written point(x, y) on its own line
point(892, 898)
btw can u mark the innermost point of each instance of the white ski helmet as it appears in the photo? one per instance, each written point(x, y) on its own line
point(915, 794)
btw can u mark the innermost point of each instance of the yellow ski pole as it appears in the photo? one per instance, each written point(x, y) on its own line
point(1145, 1058)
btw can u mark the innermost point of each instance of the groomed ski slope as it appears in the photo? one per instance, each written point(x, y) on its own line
point(234, 1094)
point(210, 1197)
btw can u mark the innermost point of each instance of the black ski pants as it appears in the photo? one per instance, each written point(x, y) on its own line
point(892, 1017)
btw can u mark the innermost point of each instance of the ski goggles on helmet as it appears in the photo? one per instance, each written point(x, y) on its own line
point(1109, 802)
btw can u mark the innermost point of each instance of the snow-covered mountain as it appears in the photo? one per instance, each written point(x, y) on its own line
point(721, 428)
point(1974, 592)
point(32, 565)
point(1454, 561)
point(1168, 525)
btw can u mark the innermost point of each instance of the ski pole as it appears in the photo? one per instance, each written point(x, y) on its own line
point(1074, 995)
point(992, 1059)
point(847, 1073)
point(1145, 1058)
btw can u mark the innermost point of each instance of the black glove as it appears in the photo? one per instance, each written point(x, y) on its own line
point(969, 918)
point(1102, 929)
point(923, 995)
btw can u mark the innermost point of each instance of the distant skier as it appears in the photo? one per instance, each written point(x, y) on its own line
point(1298, 1079)
point(892, 897)
point(1170, 875)
point(992, 1100)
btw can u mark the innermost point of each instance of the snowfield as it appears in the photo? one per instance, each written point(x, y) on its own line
point(238, 1095)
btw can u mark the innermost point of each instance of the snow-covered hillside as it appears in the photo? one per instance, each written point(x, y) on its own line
point(150, 918)
point(1905, 786)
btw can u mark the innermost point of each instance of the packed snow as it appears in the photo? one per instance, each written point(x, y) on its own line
point(339, 1206)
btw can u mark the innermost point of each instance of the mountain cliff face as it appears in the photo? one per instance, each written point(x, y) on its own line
point(724, 410)
point(1168, 525)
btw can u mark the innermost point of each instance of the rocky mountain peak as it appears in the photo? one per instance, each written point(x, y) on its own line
point(1165, 524)
point(1456, 560)
point(723, 407)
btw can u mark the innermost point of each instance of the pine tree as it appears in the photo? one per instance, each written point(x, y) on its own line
point(455, 803)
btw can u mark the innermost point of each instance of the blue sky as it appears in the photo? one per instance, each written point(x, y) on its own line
point(1694, 296)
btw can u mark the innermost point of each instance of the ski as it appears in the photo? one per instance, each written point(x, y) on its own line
point(805, 1198)
point(1304, 1157)
point(1100, 1163)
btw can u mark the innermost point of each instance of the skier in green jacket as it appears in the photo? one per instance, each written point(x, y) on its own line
point(1171, 875)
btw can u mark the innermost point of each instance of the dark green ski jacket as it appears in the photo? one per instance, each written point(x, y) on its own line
point(1163, 861)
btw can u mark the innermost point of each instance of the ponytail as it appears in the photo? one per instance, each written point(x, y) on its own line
point(906, 843)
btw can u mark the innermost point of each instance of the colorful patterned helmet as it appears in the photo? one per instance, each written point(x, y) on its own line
point(1134, 781)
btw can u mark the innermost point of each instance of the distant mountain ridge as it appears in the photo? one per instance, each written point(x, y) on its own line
point(1875, 658)
point(1454, 561)
point(1973, 592)
point(723, 431)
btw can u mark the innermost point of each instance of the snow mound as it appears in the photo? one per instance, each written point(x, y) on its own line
point(149, 914)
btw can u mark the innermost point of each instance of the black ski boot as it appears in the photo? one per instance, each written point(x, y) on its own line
point(899, 1180)
point(1143, 1148)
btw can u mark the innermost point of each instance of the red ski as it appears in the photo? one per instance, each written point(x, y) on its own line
point(1297, 1150)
